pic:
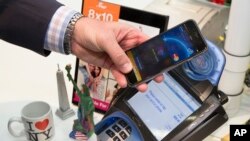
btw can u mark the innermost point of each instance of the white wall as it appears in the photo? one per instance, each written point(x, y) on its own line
point(25, 75)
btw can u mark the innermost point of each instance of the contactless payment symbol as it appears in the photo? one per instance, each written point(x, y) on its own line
point(42, 125)
point(207, 66)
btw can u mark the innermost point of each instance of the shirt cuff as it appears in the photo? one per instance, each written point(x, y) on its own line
point(56, 30)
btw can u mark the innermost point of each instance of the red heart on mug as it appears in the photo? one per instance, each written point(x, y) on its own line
point(41, 125)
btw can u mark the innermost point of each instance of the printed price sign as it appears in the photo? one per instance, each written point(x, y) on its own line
point(102, 11)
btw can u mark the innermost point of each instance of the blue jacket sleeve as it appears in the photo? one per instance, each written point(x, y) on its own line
point(25, 22)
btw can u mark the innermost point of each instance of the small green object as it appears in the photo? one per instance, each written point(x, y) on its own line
point(85, 121)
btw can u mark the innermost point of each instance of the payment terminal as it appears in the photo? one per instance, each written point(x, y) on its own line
point(182, 107)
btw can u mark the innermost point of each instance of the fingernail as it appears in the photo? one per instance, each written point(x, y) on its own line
point(126, 67)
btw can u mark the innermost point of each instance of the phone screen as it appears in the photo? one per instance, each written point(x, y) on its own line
point(168, 101)
point(164, 51)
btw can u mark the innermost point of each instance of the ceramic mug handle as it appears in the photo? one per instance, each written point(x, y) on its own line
point(11, 130)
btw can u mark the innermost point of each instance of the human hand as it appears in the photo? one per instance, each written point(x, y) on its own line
point(103, 44)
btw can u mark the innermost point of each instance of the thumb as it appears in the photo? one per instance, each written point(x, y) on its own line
point(118, 56)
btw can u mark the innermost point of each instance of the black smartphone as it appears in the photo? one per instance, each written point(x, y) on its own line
point(165, 52)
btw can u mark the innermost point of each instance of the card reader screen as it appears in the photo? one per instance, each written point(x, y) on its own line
point(163, 106)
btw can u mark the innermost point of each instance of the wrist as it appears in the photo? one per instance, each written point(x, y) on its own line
point(69, 33)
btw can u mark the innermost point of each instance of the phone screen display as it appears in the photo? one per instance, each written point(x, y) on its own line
point(163, 106)
point(165, 50)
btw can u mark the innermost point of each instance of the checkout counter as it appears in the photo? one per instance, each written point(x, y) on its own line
point(24, 79)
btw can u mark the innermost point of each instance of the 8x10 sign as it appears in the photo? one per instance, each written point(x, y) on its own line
point(102, 11)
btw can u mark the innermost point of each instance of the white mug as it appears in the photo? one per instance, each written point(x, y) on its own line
point(37, 119)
